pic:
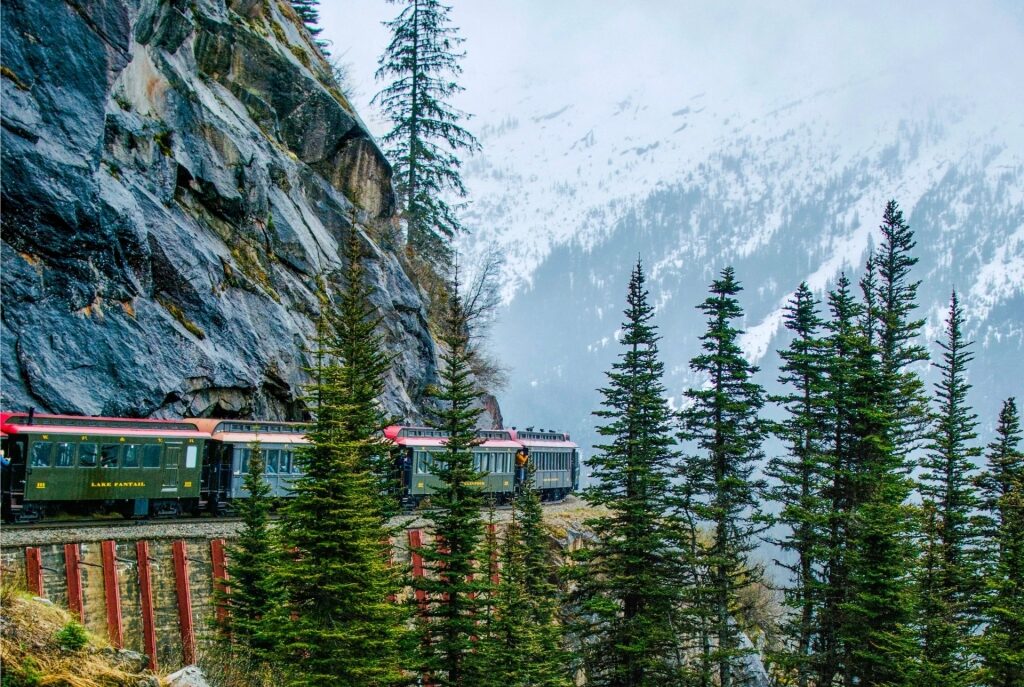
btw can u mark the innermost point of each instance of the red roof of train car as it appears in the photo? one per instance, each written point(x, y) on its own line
point(393, 433)
point(17, 423)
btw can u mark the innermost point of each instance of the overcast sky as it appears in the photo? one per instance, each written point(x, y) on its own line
point(747, 53)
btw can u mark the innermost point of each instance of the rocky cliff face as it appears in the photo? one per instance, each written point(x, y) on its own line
point(177, 175)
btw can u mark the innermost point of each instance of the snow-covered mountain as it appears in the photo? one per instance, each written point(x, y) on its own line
point(764, 135)
point(785, 189)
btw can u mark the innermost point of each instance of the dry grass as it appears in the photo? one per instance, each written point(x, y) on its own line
point(30, 655)
point(233, 667)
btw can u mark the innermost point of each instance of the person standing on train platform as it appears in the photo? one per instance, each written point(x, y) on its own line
point(522, 458)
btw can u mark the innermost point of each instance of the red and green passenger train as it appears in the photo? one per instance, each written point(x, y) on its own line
point(140, 468)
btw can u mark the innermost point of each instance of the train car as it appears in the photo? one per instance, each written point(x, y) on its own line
point(69, 463)
point(229, 451)
point(555, 458)
point(417, 448)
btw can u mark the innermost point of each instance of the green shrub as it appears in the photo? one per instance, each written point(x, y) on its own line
point(72, 636)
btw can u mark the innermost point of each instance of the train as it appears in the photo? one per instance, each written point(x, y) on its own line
point(144, 468)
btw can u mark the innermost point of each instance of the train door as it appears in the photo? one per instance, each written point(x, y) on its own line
point(172, 462)
point(12, 481)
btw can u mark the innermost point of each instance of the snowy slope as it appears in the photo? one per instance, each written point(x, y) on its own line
point(573, 186)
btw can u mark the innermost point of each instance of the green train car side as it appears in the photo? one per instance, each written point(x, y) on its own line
point(63, 463)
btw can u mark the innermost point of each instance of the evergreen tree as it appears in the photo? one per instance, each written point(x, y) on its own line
point(626, 595)
point(892, 303)
point(426, 136)
point(338, 625)
point(309, 13)
point(723, 421)
point(949, 501)
point(453, 609)
point(524, 643)
point(365, 365)
point(799, 486)
point(888, 409)
point(843, 342)
point(255, 593)
point(1002, 502)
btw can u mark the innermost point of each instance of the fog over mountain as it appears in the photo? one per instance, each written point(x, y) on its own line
point(698, 137)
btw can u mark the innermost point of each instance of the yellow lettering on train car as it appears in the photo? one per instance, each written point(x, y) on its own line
point(40, 485)
point(419, 485)
point(122, 439)
point(46, 436)
point(505, 483)
point(188, 484)
point(474, 484)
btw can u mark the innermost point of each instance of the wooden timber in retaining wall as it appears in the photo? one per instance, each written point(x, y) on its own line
point(154, 597)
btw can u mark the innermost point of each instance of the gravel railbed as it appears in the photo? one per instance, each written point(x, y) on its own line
point(210, 528)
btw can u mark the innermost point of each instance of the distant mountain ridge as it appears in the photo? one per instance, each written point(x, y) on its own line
point(789, 194)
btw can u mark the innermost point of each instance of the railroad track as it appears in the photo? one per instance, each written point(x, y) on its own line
point(62, 531)
point(129, 522)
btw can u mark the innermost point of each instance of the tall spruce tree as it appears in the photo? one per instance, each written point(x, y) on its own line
point(723, 420)
point(1002, 500)
point(255, 592)
point(889, 410)
point(422, 63)
point(892, 302)
point(799, 486)
point(625, 595)
point(338, 625)
point(524, 646)
point(844, 341)
point(309, 13)
point(457, 580)
point(365, 364)
point(946, 589)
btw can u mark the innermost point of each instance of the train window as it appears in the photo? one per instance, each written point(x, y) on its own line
point(286, 462)
point(41, 451)
point(109, 455)
point(151, 455)
point(273, 458)
point(423, 462)
point(131, 456)
point(243, 464)
point(65, 455)
point(87, 454)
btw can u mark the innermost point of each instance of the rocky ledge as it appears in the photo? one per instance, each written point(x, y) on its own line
point(177, 177)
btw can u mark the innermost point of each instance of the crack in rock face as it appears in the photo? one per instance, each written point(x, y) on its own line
point(177, 177)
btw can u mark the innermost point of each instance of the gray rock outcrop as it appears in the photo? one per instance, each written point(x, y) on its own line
point(177, 176)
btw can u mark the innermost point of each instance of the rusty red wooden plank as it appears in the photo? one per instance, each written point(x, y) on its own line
point(73, 569)
point(415, 544)
point(115, 625)
point(188, 636)
point(418, 571)
point(146, 599)
point(34, 569)
point(220, 577)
